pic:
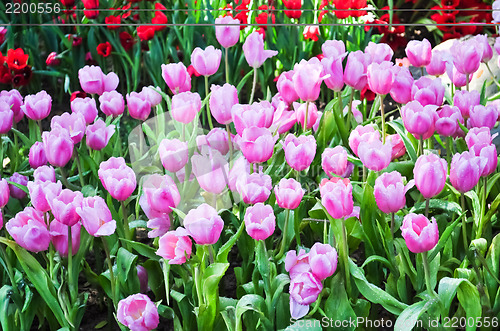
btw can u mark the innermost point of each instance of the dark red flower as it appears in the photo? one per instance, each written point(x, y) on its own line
point(126, 40)
point(450, 3)
point(52, 60)
point(262, 17)
point(145, 32)
point(262, 31)
point(442, 17)
point(311, 32)
point(114, 21)
point(395, 41)
point(16, 59)
point(91, 4)
point(22, 77)
point(104, 49)
point(77, 94)
point(293, 4)
point(68, 3)
point(367, 94)
point(452, 34)
point(343, 5)
point(192, 71)
point(5, 75)
point(242, 14)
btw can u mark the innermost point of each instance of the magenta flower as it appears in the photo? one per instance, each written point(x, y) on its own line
point(360, 134)
point(98, 134)
point(173, 153)
point(297, 264)
point(286, 88)
point(437, 65)
point(420, 235)
point(6, 117)
point(241, 167)
point(260, 221)
point(37, 106)
point(419, 52)
point(216, 139)
point(458, 79)
point(465, 170)
point(94, 81)
point(300, 113)
point(138, 312)
point(204, 225)
point(488, 153)
point(185, 106)
point(257, 144)
point(210, 169)
point(380, 77)
point(430, 175)
point(355, 70)
point(466, 56)
point(117, 178)
point(283, 119)
point(59, 237)
point(41, 191)
point(254, 188)
point(96, 217)
point(307, 78)
point(227, 35)
point(175, 246)
point(29, 230)
point(254, 51)
point(304, 290)
point(418, 120)
point(86, 107)
point(15, 191)
point(177, 77)
point(390, 192)
point(37, 156)
point(73, 123)
point(334, 49)
point(332, 67)
point(4, 193)
point(447, 121)
point(161, 193)
point(159, 225)
point(15, 100)
point(222, 99)
point(334, 161)
point(258, 114)
point(64, 205)
point(375, 155)
point(323, 260)
point(58, 146)
point(151, 94)
point(336, 196)
point(206, 62)
point(299, 151)
point(398, 146)
point(112, 103)
point(428, 91)
point(466, 100)
point(481, 116)
point(139, 106)
point(45, 173)
point(288, 193)
point(479, 136)
point(378, 53)
point(402, 85)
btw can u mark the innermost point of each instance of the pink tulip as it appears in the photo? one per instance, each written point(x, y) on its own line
point(286, 88)
point(360, 134)
point(398, 146)
point(484, 47)
point(138, 312)
point(96, 217)
point(334, 49)
point(488, 153)
point(428, 91)
point(497, 45)
point(380, 77)
point(334, 161)
point(283, 119)
point(446, 123)
point(418, 120)
point(59, 237)
point(4, 193)
point(241, 167)
point(6, 117)
point(16, 192)
point(58, 146)
point(332, 67)
point(258, 114)
point(254, 188)
point(139, 106)
point(142, 274)
point(37, 156)
point(336, 196)
point(64, 205)
point(177, 77)
point(73, 123)
point(112, 103)
point(466, 100)
point(466, 56)
point(458, 79)
point(41, 191)
point(297, 264)
point(227, 35)
point(206, 62)
point(254, 51)
point(299, 151)
point(216, 139)
point(151, 94)
point(29, 230)
point(437, 65)
point(117, 178)
point(355, 70)
point(185, 106)
point(149, 211)
point(1, 219)
point(204, 224)
point(479, 136)
point(14, 99)
point(45, 173)
point(375, 155)
point(481, 116)
point(288, 193)
point(465, 171)
point(257, 144)
point(94, 81)
point(300, 113)
point(98, 134)
point(174, 154)
point(175, 246)
point(307, 78)
point(159, 226)
point(430, 175)
point(378, 53)
point(390, 192)
point(222, 99)
point(420, 235)
point(210, 169)
point(419, 52)
point(161, 192)
point(323, 260)
point(260, 221)
point(86, 107)
point(37, 106)
point(402, 85)
point(304, 290)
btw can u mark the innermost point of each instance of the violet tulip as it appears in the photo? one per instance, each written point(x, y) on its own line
point(227, 31)
point(304, 290)
point(334, 162)
point(206, 62)
point(336, 197)
point(138, 312)
point(94, 81)
point(288, 193)
point(286, 88)
point(447, 121)
point(37, 156)
point(420, 234)
point(4, 193)
point(380, 77)
point(378, 53)
point(6, 117)
point(222, 99)
point(64, 205)
point(142, 274)
point(204, 225)
point(15, 100)
point(390, 192)
point(41, 191)
point(260, 221)
point(98, 134)
point(59, 237)
point(176, 76)
point(465, 171)
point(85, 106)
point(254, 188)
point(96, 217)
point(161, 192)
point(437, 66)
point(175, 246)
point(375, 155)
point(29, 230)
point(355, 70)
point(307, 78)
point(419, 120)
point(466, 56)
point(481, 116)
point(258, 114)
point(185, 106)
point(299, 151)
point(173, 153)
point(45, 173)
point(37, 106)
point(139, 106)
point(323, 260)
point(15, 191)
point(430, 175)
point(402, 85)
point(74, 123)
point(112, 103)
point(466, 100)
point(488, 153)
point(254, 51)
point(428, 91)
point(58, 146)
point(257, 144)
point(117, 178)
point(419, 52)
point(300, 113)
point(360, 134)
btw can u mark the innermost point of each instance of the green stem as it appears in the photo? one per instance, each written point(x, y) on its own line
point(227, 65)
point(111, 273)
point(467, 79)
point(421, 145)
point(39, 123)
point(381, 98)
point(422, 71)
point(283, 239)
point(197, 283)
point(492, 75)
point(72, 290)
point(346, 257)
point(427, 201)
point(449, 145)
point(209, 115)
point(392, 224)
point(427, 274)
point(230, 146)
point(10, 270)
point(349, 110)
point(126, 227)
point(464, 219)
point(64, 177)
point(305, 118)
point(254, 84)
point(79, 166)
point(479, 232)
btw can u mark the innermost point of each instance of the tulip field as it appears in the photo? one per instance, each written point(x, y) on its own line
point(249, 165)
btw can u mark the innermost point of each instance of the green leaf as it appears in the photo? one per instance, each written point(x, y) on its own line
point(398, 126)
point(493, 263)
point(443, 239)
point(409, 317)
point(226, 248)
point(337, 303)
point(377, 258)
point(467, 295)
point(438, 204)
point(143, 249)
point(476, 206)
point(248, 302)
